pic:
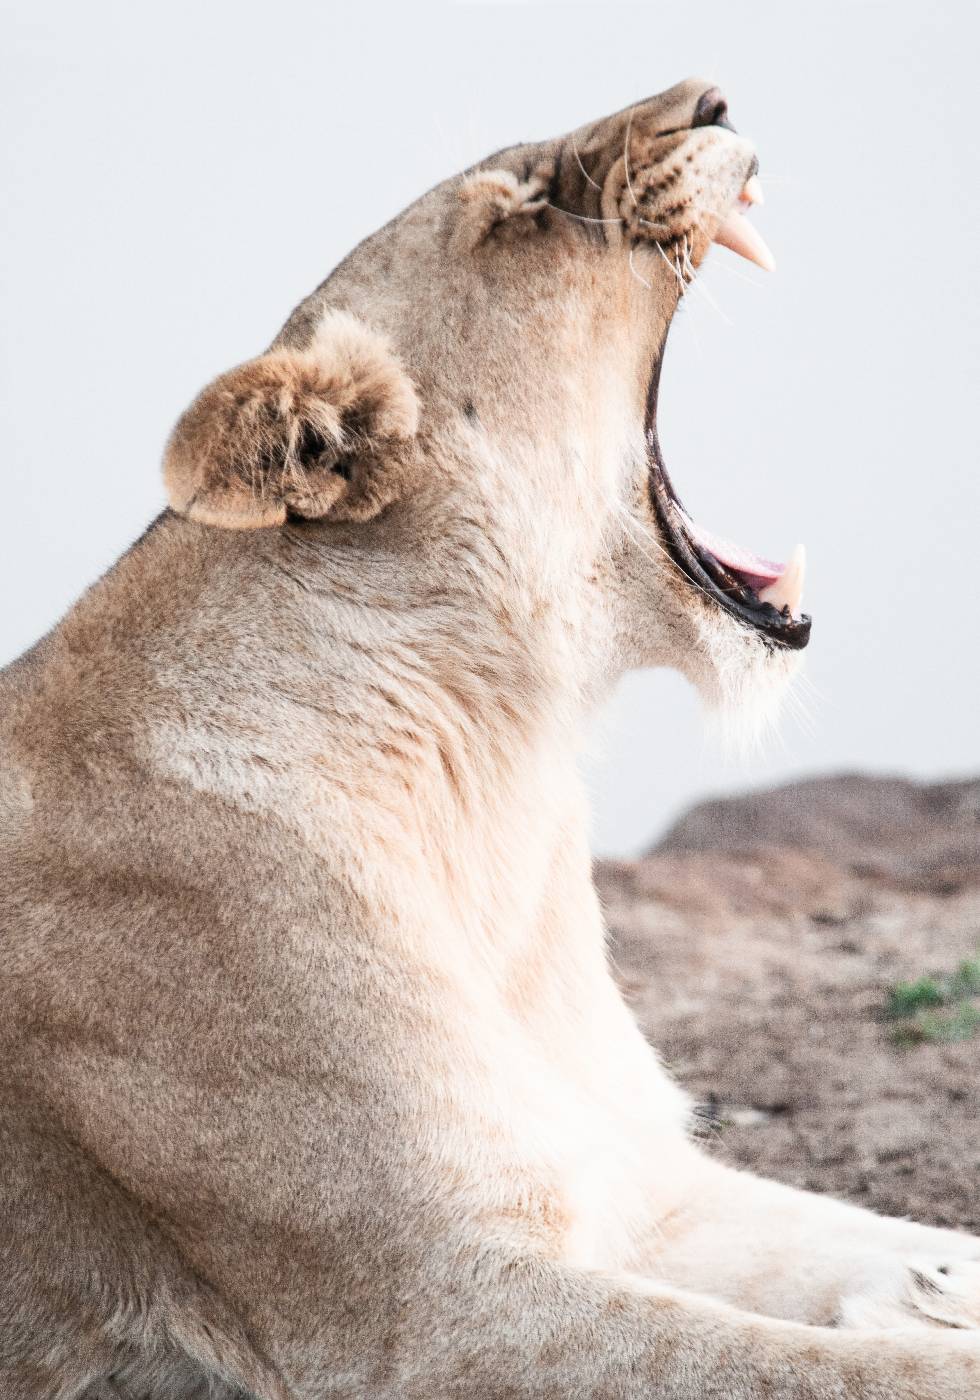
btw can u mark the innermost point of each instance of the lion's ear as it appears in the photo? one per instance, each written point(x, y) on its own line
point(302, 431)
point(494, 203)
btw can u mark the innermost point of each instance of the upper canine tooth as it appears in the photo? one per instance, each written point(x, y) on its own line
point(787, 590)
point(752, 191)
point(737, 233)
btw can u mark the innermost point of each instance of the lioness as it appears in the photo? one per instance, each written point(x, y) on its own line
point(315, 1079)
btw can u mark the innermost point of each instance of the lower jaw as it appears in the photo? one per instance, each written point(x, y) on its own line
point(716, 583)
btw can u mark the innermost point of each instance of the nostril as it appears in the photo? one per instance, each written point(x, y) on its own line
point(712, 110)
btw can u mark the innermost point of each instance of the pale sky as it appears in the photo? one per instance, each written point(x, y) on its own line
point(175, 180)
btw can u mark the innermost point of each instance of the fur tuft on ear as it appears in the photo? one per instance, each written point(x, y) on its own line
point(302, 431)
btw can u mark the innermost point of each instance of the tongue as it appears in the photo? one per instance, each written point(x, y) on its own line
point(757, 572)
point(778, 584)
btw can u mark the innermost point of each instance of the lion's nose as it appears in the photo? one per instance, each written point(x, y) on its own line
point(712, 110)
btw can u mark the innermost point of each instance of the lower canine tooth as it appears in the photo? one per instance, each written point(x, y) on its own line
point(787, 590)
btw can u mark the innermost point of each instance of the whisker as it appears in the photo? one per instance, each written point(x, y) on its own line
point(626, 159)
point(643, 533)
point(694, 280)
point(689, 268)
point(648, 285)
point(801, 714)
point(817, 697)
point(736, 272)
point(699, 286)
point(659, 248)
point(452, 147)
point(581, 167)
point(585, 218)
point(690, 324)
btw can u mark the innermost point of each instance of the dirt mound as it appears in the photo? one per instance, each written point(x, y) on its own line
point(806, 960)
point(916, 836)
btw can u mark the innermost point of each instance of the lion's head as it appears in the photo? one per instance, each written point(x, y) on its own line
point(492, 357)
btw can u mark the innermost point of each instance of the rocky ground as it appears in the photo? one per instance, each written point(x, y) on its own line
point(806, 960)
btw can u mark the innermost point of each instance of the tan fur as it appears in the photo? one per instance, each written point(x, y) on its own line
point(270, 436)
point(316, 1082)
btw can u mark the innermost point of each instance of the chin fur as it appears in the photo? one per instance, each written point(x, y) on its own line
point(744, 685)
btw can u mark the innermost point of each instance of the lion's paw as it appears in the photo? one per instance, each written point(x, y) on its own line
point(921, 1293)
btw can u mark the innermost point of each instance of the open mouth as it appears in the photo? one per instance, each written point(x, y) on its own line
point(761, 594)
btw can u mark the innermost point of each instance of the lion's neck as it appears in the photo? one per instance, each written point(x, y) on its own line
point(396, 721)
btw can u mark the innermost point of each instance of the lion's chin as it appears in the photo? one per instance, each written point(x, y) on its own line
point(743, 680)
